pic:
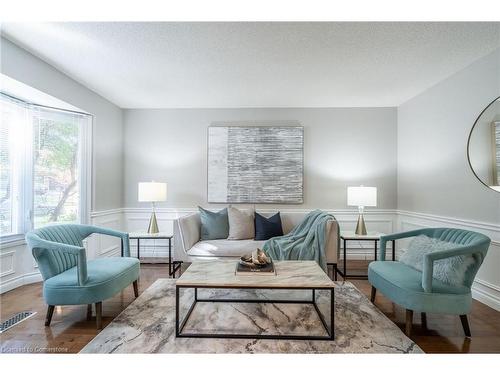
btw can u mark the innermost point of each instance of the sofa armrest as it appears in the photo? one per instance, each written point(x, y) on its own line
point(187, 229)
point(332, 244)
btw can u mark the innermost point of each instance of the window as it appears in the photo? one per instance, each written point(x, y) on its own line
point(44, 155)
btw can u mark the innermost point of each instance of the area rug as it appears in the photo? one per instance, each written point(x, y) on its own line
point(148, 324)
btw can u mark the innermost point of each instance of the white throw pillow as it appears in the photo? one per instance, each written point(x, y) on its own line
point(449, 270)
point(241, 224)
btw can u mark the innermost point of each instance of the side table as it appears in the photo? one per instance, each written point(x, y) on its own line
point(173, 265)
point(370, 237)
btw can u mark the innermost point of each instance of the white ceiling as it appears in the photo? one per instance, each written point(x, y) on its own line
point(190, 65)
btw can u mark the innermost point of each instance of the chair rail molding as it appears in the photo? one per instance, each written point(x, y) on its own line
point(492, 227)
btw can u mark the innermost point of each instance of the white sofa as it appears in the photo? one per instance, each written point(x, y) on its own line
point(188, 247)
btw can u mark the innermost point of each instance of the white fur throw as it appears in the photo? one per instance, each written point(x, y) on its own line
point(450, 270)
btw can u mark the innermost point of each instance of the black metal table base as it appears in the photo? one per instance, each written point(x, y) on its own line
point(343, 272)
point(173, 265)
point(179, 325)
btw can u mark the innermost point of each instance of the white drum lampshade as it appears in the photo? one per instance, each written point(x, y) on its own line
point(152, 192)
point(361, 196)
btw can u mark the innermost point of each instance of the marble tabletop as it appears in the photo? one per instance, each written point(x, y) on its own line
point(146, 235)
point(351, 235)
point(221, 273)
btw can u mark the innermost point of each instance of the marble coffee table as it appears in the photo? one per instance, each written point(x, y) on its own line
point(220, 274)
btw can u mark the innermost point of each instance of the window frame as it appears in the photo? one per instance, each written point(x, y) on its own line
point(25, 220)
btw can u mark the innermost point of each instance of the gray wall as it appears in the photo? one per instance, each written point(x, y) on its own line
point(107, 126)
point(343, 146)
point(433, 173)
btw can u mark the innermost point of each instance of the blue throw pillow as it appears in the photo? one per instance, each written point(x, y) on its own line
point(214, 225)
point(266, 228)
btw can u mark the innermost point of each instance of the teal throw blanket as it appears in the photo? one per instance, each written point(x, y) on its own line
point(305, 242)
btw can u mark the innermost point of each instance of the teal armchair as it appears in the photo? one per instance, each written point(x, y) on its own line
point(69, 279)
point(419, 291)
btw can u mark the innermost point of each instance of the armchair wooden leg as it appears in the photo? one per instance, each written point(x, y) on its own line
point(423, 318)
point(409, 322)
point(98, 314)
point(50, 312)
point(89, 311)
point(373, 294)
point(465, 325)
point(136, 289)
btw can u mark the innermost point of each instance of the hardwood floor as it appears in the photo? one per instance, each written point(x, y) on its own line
point(70, 331)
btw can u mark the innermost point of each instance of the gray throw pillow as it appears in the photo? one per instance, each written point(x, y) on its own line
point(241, 224)
point(214, 225)
point(449, 270)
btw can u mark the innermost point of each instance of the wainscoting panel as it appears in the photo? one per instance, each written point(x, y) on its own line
point(17, 266)
point(100, 245)
point(137, 220)
point(7, 263)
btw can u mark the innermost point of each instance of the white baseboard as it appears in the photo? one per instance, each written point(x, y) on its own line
point(486, 293)
point(21, 280)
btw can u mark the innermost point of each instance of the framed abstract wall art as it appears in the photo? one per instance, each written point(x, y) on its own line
point(255, 164)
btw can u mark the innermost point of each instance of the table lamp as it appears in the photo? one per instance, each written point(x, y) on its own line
point(152, 192)
point(361, 196)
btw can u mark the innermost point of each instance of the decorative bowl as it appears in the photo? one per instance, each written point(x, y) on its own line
point(257, 259)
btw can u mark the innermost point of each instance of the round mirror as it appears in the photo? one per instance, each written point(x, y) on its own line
point(483, 149)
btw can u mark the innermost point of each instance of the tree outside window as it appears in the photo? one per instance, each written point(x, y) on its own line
point(42, 166)
point(55, 153)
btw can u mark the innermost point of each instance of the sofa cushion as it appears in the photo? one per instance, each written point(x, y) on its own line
point(224, 248)
point(105, 278)
point(214, 225)
point(241, 224)
point(266, 228)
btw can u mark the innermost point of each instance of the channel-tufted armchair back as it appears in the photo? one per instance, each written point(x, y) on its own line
point(57, 248)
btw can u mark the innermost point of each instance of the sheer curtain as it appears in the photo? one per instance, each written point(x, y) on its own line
point(44, 166)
